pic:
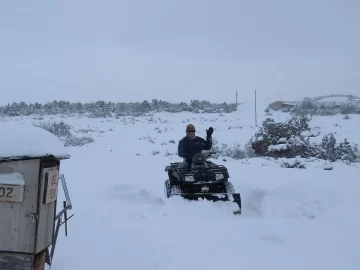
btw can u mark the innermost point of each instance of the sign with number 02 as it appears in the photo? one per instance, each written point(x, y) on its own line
point(11, 193)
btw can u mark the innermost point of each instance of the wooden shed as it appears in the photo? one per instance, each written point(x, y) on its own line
point(29, 178)
point(278, 105)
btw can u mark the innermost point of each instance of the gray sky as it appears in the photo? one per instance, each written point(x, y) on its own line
point(117, 50)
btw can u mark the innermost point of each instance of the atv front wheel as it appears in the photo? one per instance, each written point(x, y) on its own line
point(170, 190)
point(167, 189)
point(229, 188)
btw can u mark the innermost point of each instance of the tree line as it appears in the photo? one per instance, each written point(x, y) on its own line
point(113, 109)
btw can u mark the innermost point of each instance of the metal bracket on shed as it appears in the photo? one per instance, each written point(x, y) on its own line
point(67, 206)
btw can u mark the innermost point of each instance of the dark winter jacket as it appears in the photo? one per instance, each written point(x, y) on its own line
point(188, 147)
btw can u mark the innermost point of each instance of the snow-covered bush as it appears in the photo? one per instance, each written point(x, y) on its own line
point(307, 104)
point(328, 166)
point(63, 132)
point(330, 150)
point(60, 129)
point(284, 139)
point(77, 141)
point(155, 152)
point(291, 139)
point(148, 138)
point(293, 163)
point(234, 152)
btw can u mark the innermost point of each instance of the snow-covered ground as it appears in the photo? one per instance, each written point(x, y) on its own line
point(292, 218)
point(334, 99)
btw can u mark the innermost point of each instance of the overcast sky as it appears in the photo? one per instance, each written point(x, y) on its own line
point(117, 50)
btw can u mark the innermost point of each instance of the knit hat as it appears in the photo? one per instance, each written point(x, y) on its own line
point(190, 127)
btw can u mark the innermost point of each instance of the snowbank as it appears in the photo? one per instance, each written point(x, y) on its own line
point(19, 140)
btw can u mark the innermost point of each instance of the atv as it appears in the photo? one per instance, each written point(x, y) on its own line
point(203, 179)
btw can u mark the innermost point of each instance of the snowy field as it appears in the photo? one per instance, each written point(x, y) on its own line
point(334, 99)
point(292, 218)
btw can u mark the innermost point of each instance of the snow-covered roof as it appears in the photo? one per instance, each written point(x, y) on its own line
point(289, 103)
point(25, 141)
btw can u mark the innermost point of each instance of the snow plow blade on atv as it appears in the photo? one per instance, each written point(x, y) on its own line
point(234, 197)
point(203, 179)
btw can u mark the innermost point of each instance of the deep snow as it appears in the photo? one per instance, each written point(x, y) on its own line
point(292, 218)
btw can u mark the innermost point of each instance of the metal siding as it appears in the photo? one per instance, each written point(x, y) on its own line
point(17, 232)
point(45, 230)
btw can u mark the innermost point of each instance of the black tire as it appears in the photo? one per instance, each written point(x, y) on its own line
point(229, 188)
point(172, 181)
point(167, 189)
point(171, 190)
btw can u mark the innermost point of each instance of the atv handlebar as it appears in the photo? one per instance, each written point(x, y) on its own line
point(206, 153)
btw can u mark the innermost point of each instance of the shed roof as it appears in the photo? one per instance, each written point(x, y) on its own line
point(25, 141)
point(291, 103)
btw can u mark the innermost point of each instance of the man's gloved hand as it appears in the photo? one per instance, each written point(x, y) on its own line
point(209, 132)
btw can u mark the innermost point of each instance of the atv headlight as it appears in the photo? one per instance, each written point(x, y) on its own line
point(219, 176)
point(189, 178)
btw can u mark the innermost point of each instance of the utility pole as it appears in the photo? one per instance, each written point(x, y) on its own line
point(236, 98)
point(255, 110)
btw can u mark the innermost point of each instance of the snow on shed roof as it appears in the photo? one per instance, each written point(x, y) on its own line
point(23, 140)
point(289, 102)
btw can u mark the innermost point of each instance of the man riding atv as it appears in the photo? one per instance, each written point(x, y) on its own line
point(191, 145)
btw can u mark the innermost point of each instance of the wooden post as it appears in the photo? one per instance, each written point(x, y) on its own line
point(39, 261)
point(255, 110)
point(66, 218)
